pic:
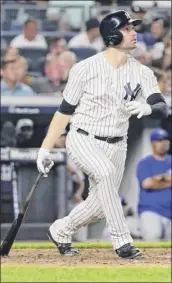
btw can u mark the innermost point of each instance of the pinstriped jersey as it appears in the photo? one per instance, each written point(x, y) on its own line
point(101, 93)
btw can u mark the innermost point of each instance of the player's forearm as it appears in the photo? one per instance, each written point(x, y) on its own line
point(57, 125)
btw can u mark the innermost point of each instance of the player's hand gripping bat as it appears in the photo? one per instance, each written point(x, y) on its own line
point(11, 235)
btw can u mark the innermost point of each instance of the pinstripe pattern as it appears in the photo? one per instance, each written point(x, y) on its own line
point(100, 93)
point(106, 164)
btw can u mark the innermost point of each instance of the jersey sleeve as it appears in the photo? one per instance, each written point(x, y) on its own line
point(142, 171)
point(149, 82)
point(74, 87)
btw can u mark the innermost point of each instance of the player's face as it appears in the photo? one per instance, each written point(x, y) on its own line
point(129, 37)
point(161, 147)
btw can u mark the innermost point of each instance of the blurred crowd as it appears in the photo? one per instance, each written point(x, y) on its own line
point(43, 47)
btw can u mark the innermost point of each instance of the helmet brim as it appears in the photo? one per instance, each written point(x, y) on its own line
point(135, 22)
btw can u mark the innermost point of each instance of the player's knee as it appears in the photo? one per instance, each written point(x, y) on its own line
point(107, 171)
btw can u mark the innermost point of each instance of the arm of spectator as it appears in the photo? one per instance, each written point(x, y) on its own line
point(156, 182)
point(168, 177)
point(147, 181)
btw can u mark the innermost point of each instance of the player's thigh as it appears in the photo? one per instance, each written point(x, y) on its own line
point(118, 158)
point(88, 156)
point(150, 226)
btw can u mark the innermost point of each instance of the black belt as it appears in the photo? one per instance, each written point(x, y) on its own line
point(107, 139)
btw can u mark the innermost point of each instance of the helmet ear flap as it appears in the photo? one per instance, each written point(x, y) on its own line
point(115, 39)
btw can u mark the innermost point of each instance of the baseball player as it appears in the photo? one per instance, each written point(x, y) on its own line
point(102, 93)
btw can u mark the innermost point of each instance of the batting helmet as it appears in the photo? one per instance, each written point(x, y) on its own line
point(110, 25)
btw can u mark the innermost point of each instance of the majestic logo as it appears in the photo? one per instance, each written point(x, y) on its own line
point(131, 94)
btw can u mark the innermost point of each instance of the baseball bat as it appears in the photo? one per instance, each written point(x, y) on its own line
point(10, 237)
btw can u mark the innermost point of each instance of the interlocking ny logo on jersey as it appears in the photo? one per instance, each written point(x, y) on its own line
point(131, 94)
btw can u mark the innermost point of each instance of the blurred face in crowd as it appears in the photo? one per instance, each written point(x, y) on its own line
point(11, 53)
point(160, 147)
point(26, 132)
point(157, 29)
point(30, 31)
point(8, 71)
point(67, 60)
point(129, 38)
point(58, 47)
point(61, 46)
point(93, 33)
point(21, 68)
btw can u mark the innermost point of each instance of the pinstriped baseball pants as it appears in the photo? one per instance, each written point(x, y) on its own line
point(104, 164)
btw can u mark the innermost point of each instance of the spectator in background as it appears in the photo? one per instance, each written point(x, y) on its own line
point(156, 35)
point(10, 85)
point(166, 60)
point(57, 71)
point(53, 68)
point(154, 177)
point(89, 38)
point(67, 60)
point(30, 38)
point(24, 133)
point(21, 70)
point(10, 53)
point(56, 46)
point(139, 12)
point(139, 53)
point(8, 137)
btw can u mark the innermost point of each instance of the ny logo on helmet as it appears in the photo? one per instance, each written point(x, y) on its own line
point(127, 16)
point(131, 94)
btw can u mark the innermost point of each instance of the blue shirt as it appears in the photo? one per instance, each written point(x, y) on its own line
point(156, 200)
point(19, 90)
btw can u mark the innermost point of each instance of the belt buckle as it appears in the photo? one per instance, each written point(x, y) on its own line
point(108, 139)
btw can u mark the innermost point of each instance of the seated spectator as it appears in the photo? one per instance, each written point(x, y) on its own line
point(24, 133)
point(57, 72)
point(150, 4)
point(21, 69)
point(56, 46)
point(8, 137)
point(67, 60)
point(154, 177)
point(156, 35)
point(89, 38)
point(166, 61)
point(139, 13)
point(10, 53)
point(30, 38)
point(10, 85)
point(139, 53)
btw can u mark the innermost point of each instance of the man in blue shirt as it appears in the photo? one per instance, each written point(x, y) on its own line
point(154, 177)
point(9, 82)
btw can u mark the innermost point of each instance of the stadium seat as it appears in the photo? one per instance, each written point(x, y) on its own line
point(83, 52)
point(49, 25)
point(6, 26)
point(33, 53)
point(35, 57)
point(11, 14)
